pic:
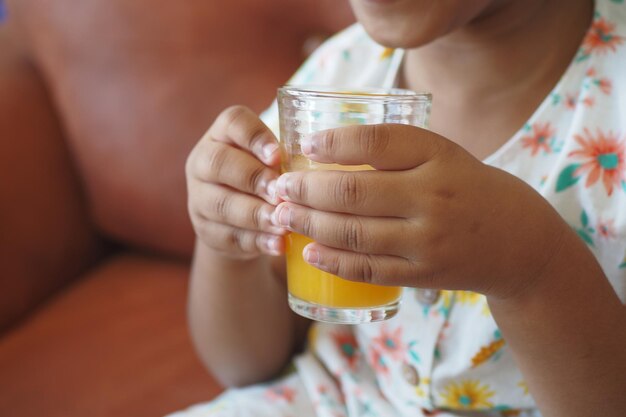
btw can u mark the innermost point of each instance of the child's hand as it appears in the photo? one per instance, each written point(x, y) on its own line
point(430, 216)
point(230, 176)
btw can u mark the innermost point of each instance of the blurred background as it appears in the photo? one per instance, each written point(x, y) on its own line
point(100, 103)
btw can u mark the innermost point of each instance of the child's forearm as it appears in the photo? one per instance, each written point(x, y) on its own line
point(241, 324)
point(568, 335)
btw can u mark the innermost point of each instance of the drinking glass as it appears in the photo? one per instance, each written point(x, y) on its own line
point(302, 111)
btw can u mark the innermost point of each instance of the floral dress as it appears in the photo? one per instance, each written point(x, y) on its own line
point(443, 354)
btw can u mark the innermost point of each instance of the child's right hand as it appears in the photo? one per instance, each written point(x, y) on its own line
point(231, 177)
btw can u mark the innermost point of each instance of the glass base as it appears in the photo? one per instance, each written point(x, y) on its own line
point(343, 315)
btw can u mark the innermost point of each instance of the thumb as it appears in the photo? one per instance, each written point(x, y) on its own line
point(383, 146)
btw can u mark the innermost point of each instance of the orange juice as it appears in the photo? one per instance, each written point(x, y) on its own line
point(310, 284)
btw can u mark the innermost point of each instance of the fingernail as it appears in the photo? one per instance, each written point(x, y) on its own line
point(307, 144)
point(311, 256)
point(271, 191)
point(272, 244)
point(282, 216)
point(282, 185)
point(268, 150)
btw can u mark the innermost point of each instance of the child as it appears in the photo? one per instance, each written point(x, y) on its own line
point(515, 266)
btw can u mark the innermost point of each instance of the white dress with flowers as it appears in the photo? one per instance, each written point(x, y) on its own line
point(443, 353)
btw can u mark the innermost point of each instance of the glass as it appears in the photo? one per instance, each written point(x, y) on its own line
point(313, 293)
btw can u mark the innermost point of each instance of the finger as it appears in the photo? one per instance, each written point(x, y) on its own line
point(350, 192)
point(224, 205)
point(383, 146)
point(359, 267)
point(372, 235)
point(236, 241)
point(240, 126)
point(223, 164)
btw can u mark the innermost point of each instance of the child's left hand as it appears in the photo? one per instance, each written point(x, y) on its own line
point(430, 216)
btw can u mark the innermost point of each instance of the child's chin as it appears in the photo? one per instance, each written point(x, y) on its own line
point(400, 35)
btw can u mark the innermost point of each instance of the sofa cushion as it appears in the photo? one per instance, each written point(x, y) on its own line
point(114, 344)
point(137, 85)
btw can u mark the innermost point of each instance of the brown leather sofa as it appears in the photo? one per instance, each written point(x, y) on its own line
point(100, 103)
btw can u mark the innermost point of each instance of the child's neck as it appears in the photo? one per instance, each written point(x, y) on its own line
point(488, 77)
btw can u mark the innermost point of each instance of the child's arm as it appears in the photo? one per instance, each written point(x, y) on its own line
point(433, 216)
point(568, 335)
point(240, 321)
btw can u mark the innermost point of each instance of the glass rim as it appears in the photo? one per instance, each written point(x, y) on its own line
point(356, 93)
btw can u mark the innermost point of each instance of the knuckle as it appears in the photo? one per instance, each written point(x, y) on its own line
point(298, 187)
point(256, 136)
point(330, 142)
point(334, 265)
point(259, 242)
point(440, 147)
point(222, 206)
point(366, 269)
point(190, 164)
point(254, 178)
point(214, 162)
point(347, 191)
point(352, 235)
point(374, 139)
point(236, 239)
point(257, 216)
point(232, 115)
point(194, 210)
point(306, 223)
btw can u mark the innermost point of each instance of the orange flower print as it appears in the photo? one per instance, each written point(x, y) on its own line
point(391, 343)
point(346, 341)
point(377, 361)
point(540, 139)
point(588, 101)
point(604, 156)
point(570, 101)
point(600, 39)
point(604, 84)
point(280, 393)
point(605, 229)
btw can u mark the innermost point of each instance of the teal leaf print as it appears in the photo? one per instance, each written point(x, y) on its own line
point(412, 353)
point(566, 177)
point(622, 265)
point(586, 231)
point(584, 235)
point(582, 56)
point(584, 219)
point(503, 407)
